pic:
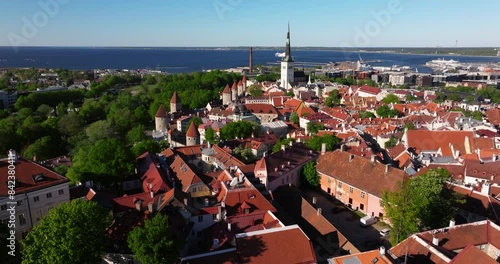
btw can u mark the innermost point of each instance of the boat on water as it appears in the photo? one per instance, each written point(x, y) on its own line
point(442, 63)
point(280, 55)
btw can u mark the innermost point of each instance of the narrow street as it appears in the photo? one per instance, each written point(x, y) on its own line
point(347, 222)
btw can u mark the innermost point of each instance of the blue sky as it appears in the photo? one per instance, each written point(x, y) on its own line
point(423, 23)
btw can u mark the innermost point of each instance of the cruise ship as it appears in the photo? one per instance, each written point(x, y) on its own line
point(442, 63)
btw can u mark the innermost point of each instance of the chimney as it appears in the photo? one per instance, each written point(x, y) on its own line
point(435, 241)
point(219, 212)
point(250, 66)
point(283, 147)
point(315, 200)
point(323, 148)
point(152, 194)
point(151, 207)
point(229, 227)
point(372, 158)
point(351, 157)
point(319, 211)
point(452, 223)
point(138, 205)
point(264, 154)
point(186, 201)
point(223, 204)
point(291, 144)
point(387, 166)
point(381, 251)
point(216, 243)
point(342, 148)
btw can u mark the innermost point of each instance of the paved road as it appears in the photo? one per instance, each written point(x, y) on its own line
point(363, 238)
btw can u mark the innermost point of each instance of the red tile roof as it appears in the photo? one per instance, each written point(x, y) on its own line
point(371, 177)
point(152, 179)
point(161, 113)
point(30, 176)
point(493, 116)
point(184, 173)
point(227, 90)
point(435, 140)
point(278, 245)
point(175, 98)
point(472, 254)
point(192, 131)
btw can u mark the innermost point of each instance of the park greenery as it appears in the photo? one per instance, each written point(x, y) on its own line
point(74, 232)
point(422, 203)
point(239, 130)
point(71, 122)
point(390, 99)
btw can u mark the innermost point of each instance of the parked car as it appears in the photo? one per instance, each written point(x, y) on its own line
point(367, 221)
point(385, 232)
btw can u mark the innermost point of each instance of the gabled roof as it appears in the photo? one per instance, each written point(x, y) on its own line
point(493, 116)
point(424, 140)
point(161, 113)
point(234, 87)
point(371, 177)
point(184, 173)
point(30, 176)
point(277, 245)
point(152, 179)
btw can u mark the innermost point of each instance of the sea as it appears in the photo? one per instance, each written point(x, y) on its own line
point(187, 60)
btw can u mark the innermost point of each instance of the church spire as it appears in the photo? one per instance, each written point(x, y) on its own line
point(288, 52)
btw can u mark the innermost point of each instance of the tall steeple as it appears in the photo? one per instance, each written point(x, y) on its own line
point(287, 73)
point(288, 51)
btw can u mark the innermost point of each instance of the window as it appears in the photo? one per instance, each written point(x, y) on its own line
point(61, 192)
point(351, 189)
point(19, 203)
point(194, 189)
point(200, 218)
point(49, 195)
point(340, 185)
point(22, 220)
point(36, 199)
point(362, 194)
point(214, 217)
point(3, 207)
point(361, 206)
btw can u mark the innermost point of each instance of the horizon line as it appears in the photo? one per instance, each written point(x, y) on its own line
point(250, 46)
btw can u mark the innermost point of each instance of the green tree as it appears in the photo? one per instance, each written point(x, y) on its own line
point(282, 141)
point(244, 154)
point(43, 148)
point(399, 211)
point(424, 202)
point(146, 145)
point(255, 90)
point(106, 161)
point(196, 120)
point(390, 98)
point(313, 127)
point(240, 129)
point(366, 114)
point(99, 130)
point(410, 98)
point(155, 243)
point(333, 98)
point(211, 136)
point(74, 232)
point(410, 126)
point(315, 142)
point(310, 174)
point(62, 169)
point(136, 134)
point(393, 141)
point(294, 118)
point(44, 110)
point(70, 124)
point(384, 111)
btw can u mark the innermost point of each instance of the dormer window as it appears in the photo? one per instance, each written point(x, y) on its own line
point(39, 177)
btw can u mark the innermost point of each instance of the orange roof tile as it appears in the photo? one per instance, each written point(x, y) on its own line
point(161, 113)
point(192, 131)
